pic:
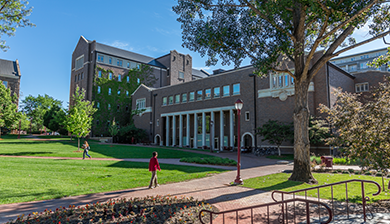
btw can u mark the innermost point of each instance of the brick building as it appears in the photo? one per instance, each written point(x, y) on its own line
point(10, 75)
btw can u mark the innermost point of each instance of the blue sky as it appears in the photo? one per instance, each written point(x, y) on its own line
point(146, 27)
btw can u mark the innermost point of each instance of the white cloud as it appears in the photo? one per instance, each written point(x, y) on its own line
point(363, 31)
point(121, 45)
point(168, 32)
point(204, 68)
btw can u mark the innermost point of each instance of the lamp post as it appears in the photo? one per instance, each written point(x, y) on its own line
point(238, 104)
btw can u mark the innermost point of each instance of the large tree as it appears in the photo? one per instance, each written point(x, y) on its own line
point(8, 107)
point(268, 31)
point(13, 14)
point(80, 115)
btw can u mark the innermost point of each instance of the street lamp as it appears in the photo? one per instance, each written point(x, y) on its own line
point(238, 104)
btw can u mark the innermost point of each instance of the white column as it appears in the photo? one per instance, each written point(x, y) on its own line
point(232, 129)
point(221, 130)
point(195, 131)
point(180, 130)
point(173, 130)
point(167, 132)
point(188, 129)
point(212, 130)
point(203, 129)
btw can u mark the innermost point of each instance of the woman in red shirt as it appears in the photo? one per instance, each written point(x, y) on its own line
point(153, 167)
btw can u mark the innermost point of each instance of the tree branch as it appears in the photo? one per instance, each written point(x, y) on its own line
point(5, 3)
point(228, 5)
point(283, 71)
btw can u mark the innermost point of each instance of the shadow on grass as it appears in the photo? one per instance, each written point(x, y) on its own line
point(25, 153)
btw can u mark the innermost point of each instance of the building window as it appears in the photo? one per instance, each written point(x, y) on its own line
point(128, 78)
point(236, 89)
point(184, 98)
point(363, 65)
point(199, 94)
point(78, 77)
point(109, 106)
point(127, 93)
point(141, 104)
point(109, 91)
point(164, 101)
point(128, 64)
point(117, 109)
point(79, 62)
point(353, 59)
point(158, 122)
point(98, 89)
point(119, 78)
point(100, 58)
point(361, 87)
point(75, 78)
point(364, 56)
point(82, 75)
point(110, 75)
point(177, 98)
point(133, 65)
point(138, 66)
point(119, 63)
point(192, 97)
point(119, 92)
point(226, 90)
point(5, 83)
point(217, 92)
point(98, 105)
point(170, 100)
point(247, 116)
point(353, 68)
point(181, 75)
point(286, 82)
point(138, 80)
point(207, 94)
point(99, 74)
point(110, 61)
point(281, 80)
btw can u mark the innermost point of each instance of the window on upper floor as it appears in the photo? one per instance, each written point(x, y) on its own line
point(133, 64)
point(192, 97)
point(217, 92)
point(110, 61)
point(363, 65)
point(281, 80)
point(127, 78)
point(119, 78)
point(199, 94)
point(78, 77)
point(247, 117)
point(141, 104)
point(100, 58)
point(184, 98)
point(75, 78)
point(5, 83)
point(138, 80)
point(226, 90)
point(170, 100)
point(207, 94)
point(98, 89)
point(352, 68)
point(119, 91)
point(164, 101)
point(109, 106)
point(138, 66)
point(128, 65)
point(119, 63)
point(353, 59)
point(109, 91)
point(110, 75)
point(236, 89)
point(82, 75)
point(181, 75)
point(79, 62)
point(127, 93)
point(158, 122)
point(364, 56)
point(361, 87)
point(177, 98)
point(98, 105)
point(99, 74)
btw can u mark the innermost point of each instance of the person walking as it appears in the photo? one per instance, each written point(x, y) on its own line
point(86, 149)
point(153, 167)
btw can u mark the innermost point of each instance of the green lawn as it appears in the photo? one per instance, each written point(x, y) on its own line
point(280, 182)
point(24, 179)
point(10, 145)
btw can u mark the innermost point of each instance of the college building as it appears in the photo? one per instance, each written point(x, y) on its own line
point(10, 75)
point(186, 107)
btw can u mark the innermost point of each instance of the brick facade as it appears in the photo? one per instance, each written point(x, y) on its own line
point(10, 74)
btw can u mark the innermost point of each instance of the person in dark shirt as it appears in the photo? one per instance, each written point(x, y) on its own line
point(153, 167)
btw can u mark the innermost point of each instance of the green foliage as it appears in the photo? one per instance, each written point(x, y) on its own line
point(362, 129)
point(8, 108)
point(210, 161)
point(126, 133)
point(120, 97)
point(79, 119)
point(318, 131)
point(36, 107)
point(276, 132)
point(114, 129)
point(381, 60)
point(54, 118)
point(13, 14)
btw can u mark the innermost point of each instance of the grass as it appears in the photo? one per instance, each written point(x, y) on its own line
point(63, 147)
point(24, 179)
point(280, 182)
point(336, 161)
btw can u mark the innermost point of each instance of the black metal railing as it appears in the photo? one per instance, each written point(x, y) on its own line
point(283, 218)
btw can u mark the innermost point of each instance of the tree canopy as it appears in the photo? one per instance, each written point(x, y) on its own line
point(13, 14)
point(271, 33)
point(276, 132)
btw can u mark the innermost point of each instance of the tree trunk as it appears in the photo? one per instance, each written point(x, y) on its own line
point(301, 171)
point(0, 132)
point(279, 152)
point(78, 144)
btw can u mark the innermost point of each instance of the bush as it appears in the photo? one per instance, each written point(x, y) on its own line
point(210, 160)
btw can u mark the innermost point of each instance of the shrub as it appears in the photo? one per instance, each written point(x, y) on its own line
point(367, 173)
point(210, 160)
point(351, 170)
point(345, 172)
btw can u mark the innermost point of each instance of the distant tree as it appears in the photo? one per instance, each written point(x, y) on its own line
point(36, 107)
point(114, 129)
point(362, 129)
point(318, 131)
point(276, 133)
point(271, 33)
point(382, 60)
point(131, 131)
point(13, 14)
point(79, 118)
point(8, 108)
point(53, 118)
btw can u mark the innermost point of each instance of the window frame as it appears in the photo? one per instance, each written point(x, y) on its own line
point(228, 91)
point(142, 102)
point(170, 100)
point(177, 98)
point(110, 75)
point(239, 89)
point(181, 75)
point(247, 116)
point(164, 101)
point(219, 92)
point(199, 97)
point(184, 98)
point(360, 85)
point(193, 97)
